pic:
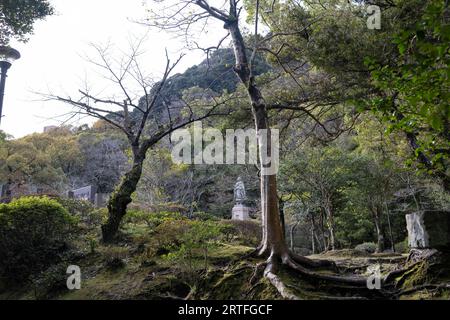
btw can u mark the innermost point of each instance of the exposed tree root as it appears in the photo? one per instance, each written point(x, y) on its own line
point(259, 269)
point(303, 266)
point(422, 271)
point(270, 274)
point(289, 277)
point(305, 262)
point(415, 258)
point(313, 263)
point(278, 278)
point(432, 287)
point(280, 286)
point(351, 280)
point(169, 296)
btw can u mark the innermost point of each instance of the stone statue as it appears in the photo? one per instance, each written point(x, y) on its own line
point(239, 191)
point(240, 210)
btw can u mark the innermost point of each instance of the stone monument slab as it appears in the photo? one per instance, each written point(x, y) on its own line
point(428, 229)
point(85, 193)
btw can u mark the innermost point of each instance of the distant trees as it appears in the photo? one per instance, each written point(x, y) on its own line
point(317, 176)
point(65, 154)
point(24, 164)
point(363, 173)
point(63, 159)
point(105, 158)
point(133, 115)
point(214, 73)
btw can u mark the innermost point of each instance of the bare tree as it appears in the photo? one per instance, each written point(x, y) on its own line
point(181, 16)
point(135, 117)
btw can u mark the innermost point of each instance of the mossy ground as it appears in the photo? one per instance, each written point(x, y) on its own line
point(132, 269)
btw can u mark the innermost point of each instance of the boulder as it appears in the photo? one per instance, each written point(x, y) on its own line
point(429, 229)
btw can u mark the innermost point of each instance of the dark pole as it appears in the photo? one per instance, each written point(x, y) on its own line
point(4, 65)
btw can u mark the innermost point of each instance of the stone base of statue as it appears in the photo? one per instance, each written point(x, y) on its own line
point(240, 212)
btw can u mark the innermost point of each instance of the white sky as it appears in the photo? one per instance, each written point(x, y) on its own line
point(54, 58)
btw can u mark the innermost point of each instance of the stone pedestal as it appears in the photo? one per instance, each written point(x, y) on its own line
point(240, 212)
point(428, 229)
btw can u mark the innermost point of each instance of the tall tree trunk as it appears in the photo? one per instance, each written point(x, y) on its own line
point(322, 225)
point(313, 234)
point(378, 229)
point(330, 225)
point(121, 197)
point(332, 243)
point(273, 243)
point(391, 235)
point(293, 227)
point(319, 245)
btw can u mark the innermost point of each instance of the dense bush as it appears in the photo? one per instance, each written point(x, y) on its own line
point(169, 233)
point(245, 232)
point(84, 211)
point(204, 216)
point(368, 247)
point(50, 281)
point(76, 207)
point(195, 244)
point(152, 219)
point(33, 233)
point(96, 217)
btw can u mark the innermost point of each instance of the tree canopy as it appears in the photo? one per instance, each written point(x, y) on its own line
point(17, 18)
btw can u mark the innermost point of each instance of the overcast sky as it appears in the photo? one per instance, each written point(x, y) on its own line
point(54, 58)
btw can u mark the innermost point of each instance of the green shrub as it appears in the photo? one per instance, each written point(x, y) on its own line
point(152, 219)
point(76, 206)
point(84, 211)
point(93, 242)
point(136, 216)
point(195, 245)
point(169, 233)
point(161, 207)
point(244, 232)
point(204, 216)
point(368, 247)
point(97, 216)
point(402, 247)
point(50, 281)
point(33, 234)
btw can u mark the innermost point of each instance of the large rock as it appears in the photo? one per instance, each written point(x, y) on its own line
point(429, 229)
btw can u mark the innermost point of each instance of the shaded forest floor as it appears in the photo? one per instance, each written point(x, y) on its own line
point(128, 271)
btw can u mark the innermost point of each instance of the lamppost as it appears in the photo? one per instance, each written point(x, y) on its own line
point(7, 56)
